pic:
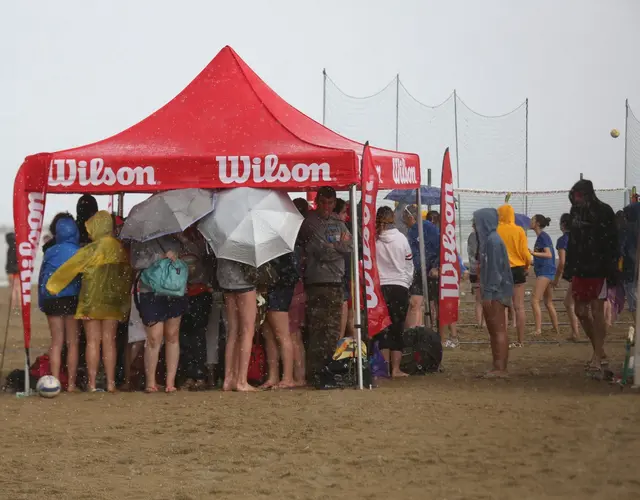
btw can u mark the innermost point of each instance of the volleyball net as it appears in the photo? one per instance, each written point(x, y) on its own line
point(631, 149)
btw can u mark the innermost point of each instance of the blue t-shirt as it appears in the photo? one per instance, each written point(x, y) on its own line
point(542, 266)
point(563, 242)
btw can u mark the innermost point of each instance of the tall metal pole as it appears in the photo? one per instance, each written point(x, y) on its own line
point(120, 204)
point(626, 139)
point(428, 184)
point(324, 95)
point(526, 157)
point(397, 111)
point(423, 264)
point(357, 318)
point(455, 121)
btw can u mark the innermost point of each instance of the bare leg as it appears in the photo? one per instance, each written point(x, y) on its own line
point(130, 355)
point(152, 353)
point(93, 332)
point(396, 360)
point(247, 308)
point(109, 330)
point(72, 331)
point(56, 327)
point(538, 294)
point(230, 355)
point(351, 330)
point(414, 315)
point(569, 304)
point(453, 330)
point(478, 308)
point(548, 303)
point(273, 357)
point(599, 331)
point(172, 350)
point(494, 315)
point(298, 359)
point(279, 322)
point(518, 306)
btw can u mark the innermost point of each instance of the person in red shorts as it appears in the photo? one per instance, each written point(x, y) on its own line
point(592, 259)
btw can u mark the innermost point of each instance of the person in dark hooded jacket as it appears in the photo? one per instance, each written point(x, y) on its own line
point(496, 286)
point(592, 263)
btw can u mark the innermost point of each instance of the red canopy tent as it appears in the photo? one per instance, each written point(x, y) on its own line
point(226, 129)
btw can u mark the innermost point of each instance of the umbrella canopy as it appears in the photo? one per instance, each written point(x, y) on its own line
point(252, 226)
point(429, 195)
point(167, 213)
point(523, 221)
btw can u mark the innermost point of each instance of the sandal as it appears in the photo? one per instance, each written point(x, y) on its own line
point(515, 345)
point(170, 389)
point(494, 376)
point(151, 390)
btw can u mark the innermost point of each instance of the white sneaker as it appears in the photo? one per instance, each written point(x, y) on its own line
point(452, 343)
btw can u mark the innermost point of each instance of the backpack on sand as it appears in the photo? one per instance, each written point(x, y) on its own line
point(422, 352)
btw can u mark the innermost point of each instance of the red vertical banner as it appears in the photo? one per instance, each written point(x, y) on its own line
point(29, 193)
point(449, 289)
point(377, 313)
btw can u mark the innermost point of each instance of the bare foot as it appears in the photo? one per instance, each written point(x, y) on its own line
point(269, 384)
point(300, 383)
point(125, 387)
point(72, 389)
point(399, 374)
point(246, 388)
point(286, 384)
point(229, 385)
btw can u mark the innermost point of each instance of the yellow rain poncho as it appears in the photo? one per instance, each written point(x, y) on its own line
point(106, 274)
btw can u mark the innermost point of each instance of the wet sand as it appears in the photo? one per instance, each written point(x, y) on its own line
point(548, 432)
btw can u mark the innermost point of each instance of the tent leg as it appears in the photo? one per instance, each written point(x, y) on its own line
point(27, 366)
point(423, 264)
point(120, 204)
point(356, 284)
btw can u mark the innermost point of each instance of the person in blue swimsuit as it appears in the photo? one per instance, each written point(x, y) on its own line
point(544, 265)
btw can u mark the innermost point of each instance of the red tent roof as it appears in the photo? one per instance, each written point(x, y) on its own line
point(226, 128)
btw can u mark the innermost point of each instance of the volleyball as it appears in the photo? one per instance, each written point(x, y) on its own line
point(615, 133)
point(48, 386)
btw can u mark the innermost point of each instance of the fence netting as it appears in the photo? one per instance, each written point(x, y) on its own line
point(491, 149)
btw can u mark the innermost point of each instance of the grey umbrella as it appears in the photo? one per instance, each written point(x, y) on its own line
point(167, 213)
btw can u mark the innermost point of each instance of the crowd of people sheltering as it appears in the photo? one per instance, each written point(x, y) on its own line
point(93, 290)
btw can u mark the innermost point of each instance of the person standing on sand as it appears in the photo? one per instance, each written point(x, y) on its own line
point(325, 240)
point(592, 263)
point(496, 287)
point(561, 247)
point(515, 240)
point(544, 265)
point(472, 252)
point(104, 294)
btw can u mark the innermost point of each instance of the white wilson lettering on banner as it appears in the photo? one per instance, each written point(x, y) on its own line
point(403, 173)
point(367, 242)
point(27, 249)
point(244, 169)
point(450, 281)
point(68, 173)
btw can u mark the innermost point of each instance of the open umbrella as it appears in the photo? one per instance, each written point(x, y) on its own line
point(523, 221)
point(252, 226)
point(168, 212)
point(429, 195)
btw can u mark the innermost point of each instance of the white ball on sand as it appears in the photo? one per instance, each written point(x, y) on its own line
point(615, 133)
point(48, 386)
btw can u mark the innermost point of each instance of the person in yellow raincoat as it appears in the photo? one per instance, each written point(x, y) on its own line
point(105, 294)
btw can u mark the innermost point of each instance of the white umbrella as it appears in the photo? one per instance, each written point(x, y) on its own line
point(168, 212)
point(252, 226)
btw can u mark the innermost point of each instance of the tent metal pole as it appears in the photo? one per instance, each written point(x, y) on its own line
point(324, 95)
point(455, 123)
point(357, 317)
point(526, 156)
point(423, 262)
point(397, 111)
point(120, 204)
point(626, 140)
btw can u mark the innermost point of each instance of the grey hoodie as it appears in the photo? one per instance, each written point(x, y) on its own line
point(472, 251)
point(496, 281)
point(324, 249)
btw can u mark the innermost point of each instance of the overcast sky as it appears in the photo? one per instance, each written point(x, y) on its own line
point(73, 72)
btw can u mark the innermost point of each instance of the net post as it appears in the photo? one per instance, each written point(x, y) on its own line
point(429, 184)
point(526, 156)
point(423, 263)
point(356, 284)
point(324, 95)
point(626, 139)
point(581, 176)
point(397, 111)
point(120, 205)
point(455, 123)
